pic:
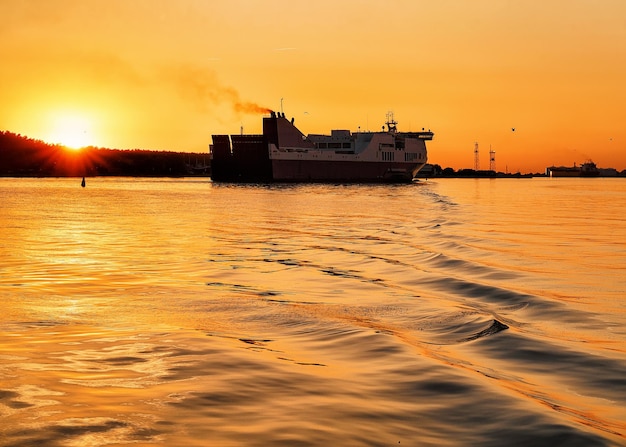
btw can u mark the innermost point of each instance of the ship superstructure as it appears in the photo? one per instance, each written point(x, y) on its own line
point(284, 154)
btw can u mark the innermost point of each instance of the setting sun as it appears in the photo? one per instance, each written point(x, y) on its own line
point(72, 131)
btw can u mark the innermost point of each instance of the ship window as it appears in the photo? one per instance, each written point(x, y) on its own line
point(346, 145)
point(334, 145)
point(388, 156)
point(322, 145)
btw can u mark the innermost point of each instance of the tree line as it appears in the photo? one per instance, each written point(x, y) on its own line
point(21, 156)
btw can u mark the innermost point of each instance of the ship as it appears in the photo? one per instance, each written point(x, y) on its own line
point(587, 169)
point(282, 153)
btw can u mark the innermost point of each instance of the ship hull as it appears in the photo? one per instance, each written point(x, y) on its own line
point(564, 173)
point(343, 171)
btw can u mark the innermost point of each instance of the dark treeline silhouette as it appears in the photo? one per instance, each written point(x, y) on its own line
point(435, 170)
point(21, 156)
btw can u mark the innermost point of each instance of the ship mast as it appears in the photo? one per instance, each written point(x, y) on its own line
point(391, 123)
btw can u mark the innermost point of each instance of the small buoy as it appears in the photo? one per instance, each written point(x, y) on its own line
point(83, 182)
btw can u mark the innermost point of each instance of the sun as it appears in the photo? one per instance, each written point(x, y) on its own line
point(73, 131)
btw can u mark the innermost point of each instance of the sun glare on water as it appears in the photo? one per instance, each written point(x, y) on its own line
point(72, 131)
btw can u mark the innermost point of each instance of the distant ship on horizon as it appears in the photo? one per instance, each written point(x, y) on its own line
point(587, 169)
point(282, 153)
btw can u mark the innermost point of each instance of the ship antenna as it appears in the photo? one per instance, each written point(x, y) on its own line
point(391, 123)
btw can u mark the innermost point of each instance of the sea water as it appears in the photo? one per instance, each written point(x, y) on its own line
point(179, 312)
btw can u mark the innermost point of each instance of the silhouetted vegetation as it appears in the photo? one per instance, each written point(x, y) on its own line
point(435, 170)
point(21, 156)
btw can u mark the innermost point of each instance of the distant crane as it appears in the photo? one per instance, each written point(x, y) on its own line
point(476, 159)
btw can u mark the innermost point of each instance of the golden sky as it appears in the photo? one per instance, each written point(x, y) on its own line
point(163, 74)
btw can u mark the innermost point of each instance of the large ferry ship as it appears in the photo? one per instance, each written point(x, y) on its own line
point(587, 169)
point(284, 154)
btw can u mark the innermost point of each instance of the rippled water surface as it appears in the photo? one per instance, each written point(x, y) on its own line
point(180, 312)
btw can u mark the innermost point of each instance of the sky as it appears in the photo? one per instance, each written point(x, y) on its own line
point(166, 75)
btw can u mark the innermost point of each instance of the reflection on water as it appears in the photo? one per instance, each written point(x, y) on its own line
point(181, 312)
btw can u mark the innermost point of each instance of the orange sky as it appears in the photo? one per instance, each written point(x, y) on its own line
point(161, 74)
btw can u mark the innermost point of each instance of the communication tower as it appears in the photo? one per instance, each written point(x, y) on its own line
point(476, 159)
point(492, 160)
